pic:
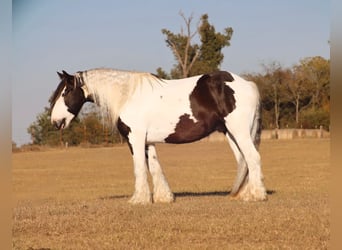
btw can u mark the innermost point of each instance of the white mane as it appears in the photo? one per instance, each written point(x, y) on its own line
point(111, 89)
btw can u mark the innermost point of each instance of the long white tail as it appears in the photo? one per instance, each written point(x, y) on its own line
point(257, 127)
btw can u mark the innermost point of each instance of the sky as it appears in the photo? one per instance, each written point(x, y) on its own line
point(56, 35)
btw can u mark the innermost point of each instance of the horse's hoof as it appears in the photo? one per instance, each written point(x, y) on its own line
point(166, 198)
point(247, 194)
point(137, 200)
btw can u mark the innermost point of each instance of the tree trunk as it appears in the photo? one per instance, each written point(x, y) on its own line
point(297, 110)
point(276, 106)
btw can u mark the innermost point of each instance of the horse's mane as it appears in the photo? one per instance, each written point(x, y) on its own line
point(111, 89)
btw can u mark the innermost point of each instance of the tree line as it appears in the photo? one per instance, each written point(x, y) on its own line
point(296, 97)
point(88, 128)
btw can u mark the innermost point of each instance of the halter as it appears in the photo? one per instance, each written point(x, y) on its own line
point(78, 79)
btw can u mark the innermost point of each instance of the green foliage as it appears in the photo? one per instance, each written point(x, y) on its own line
point(162, 74)
point(41, 131)
point(316, 118)
point(212, 43)
point(192, 58)
point(88, 129)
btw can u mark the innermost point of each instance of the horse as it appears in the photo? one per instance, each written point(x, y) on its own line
point(148, 110)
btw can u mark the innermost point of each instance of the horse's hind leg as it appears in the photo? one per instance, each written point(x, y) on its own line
point(161, 189)
point(253, 188)
point(242, 169)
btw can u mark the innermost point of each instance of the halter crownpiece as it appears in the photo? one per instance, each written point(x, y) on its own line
point(78, 79)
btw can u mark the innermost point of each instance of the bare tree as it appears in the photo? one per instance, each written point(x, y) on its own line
point(185, 53)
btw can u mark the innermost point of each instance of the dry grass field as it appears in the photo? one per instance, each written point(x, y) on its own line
point(77, 199)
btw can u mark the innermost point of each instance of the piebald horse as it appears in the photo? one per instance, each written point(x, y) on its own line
point(149, 110)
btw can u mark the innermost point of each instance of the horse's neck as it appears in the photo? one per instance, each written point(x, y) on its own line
point(111, 89)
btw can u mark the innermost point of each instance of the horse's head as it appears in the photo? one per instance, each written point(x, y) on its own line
point(67, 100)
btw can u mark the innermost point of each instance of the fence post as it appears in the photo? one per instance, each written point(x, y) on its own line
point(321, 131)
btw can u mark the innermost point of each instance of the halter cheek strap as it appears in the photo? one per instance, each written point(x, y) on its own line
point(87, 94)
point(77, 80)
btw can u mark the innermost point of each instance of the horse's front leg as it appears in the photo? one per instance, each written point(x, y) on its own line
point(142, 194)
point(161, 189)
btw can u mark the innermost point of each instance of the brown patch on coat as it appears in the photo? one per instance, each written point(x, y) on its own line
point(212, 95)
point(210, 101)
point(187, 130)
point(124, 131)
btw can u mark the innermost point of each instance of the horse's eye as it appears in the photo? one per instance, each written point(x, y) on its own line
point(64, 93)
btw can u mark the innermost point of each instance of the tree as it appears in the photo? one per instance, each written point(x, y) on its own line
point(297, 96)
point(195, 58)
point(316, 72)
point(271, 86)
point(298, 91)
point(212, 43)
point(43, 133)
point(274, 78)
point(162, 74)
point(184, 52)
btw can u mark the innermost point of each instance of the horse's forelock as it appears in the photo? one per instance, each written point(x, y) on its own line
point(57, 92)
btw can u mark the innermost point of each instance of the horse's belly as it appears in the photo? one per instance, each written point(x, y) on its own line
point(161, 126)
point(184, 129)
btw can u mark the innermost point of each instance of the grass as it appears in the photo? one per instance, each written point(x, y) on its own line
point(77, 199)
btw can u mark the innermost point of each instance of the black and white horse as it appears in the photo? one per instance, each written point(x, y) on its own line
point(149, 110)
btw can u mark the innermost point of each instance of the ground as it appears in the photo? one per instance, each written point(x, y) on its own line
point(76, 198)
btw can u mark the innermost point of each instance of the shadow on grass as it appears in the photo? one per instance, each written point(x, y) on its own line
point(195, 194)
point(182, 194)
point(212, 193)
point(114, 197)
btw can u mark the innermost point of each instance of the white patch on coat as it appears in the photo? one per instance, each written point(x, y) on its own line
point(157, 110)
point(60, 111)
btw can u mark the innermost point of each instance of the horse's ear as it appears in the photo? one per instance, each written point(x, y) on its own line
point(66, 74)
point(60, 75)
point(63, 75)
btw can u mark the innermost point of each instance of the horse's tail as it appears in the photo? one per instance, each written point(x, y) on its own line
point(257, 127)
point(242, 172)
